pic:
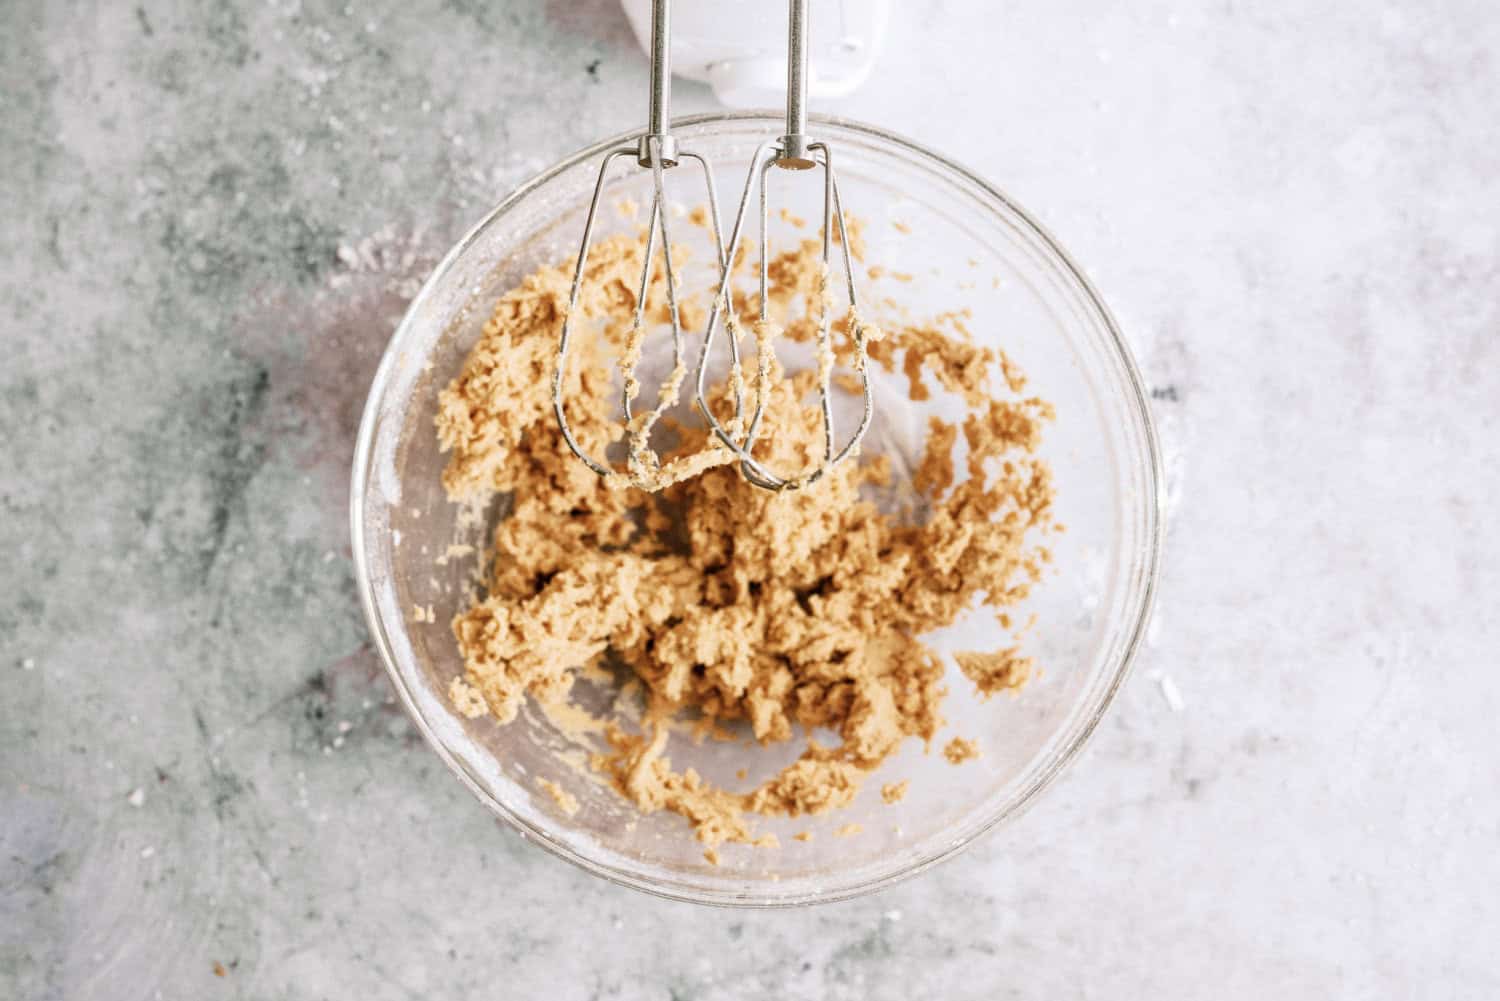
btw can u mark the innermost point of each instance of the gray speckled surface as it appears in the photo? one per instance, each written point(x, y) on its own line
point(1294, 212)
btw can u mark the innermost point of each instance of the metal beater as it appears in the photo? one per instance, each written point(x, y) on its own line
point(657, 150)
point(794, 150)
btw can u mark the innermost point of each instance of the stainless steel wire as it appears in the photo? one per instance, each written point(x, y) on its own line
point(657, 150)
point(795, 151)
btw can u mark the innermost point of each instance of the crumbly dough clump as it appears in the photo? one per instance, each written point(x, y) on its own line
point(958, 750)
point(778, 610)
point(566, 801)
point(1002, 671)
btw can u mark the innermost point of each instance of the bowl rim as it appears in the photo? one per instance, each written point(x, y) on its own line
point(1061, 758)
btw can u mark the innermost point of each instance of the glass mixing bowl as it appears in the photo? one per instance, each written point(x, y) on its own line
point(960, 243)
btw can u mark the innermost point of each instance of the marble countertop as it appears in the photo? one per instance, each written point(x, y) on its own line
point(213, 216)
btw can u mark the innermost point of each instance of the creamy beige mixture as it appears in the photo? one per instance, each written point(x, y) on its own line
point(777, 610)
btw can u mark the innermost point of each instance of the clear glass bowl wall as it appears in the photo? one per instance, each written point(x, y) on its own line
point(966, 246)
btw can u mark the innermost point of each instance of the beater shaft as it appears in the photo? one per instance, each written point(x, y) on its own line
point(659, 98)
point(794, 151)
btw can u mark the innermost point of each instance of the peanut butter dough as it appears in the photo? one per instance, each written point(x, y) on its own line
point(566, 801)
point(958, 750)
point(773, 610)
point(1001, 671)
